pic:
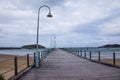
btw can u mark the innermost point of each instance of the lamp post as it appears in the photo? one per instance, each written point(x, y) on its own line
point(51, 43)
point(49, 15)
point(54, 42)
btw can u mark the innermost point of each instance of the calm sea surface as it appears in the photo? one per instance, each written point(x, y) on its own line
point(105, 52)
point(18, 51)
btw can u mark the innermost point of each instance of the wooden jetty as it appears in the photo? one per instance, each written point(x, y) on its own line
point(61, 65)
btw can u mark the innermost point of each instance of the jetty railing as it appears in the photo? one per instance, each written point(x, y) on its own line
point(110, 58)
point(12, 67)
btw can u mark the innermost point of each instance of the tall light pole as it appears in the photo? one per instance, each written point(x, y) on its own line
point(37, 39)
point(54, 41)
point(51, 43)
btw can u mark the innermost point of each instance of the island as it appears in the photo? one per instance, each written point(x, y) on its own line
point(2, 48)
point(110, 46)
point(32, 46)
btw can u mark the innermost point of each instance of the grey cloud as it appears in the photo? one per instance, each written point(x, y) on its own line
point(2, 34)
point(0, 30)
point(24, 31)
point(6, 19)
point(35, 4)
point(86, 29)
point(91, 27)
point(113, 35)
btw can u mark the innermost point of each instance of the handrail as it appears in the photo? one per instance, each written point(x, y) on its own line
point(6, 71)
point(6, 59)
point(28, 61)
point(96, 56)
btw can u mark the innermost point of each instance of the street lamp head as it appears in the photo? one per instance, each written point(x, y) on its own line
point(49, 15)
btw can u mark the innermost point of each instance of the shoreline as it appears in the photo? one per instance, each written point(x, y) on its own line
point(6, 56)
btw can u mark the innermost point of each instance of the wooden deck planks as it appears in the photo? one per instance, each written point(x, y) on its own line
point(61, 65)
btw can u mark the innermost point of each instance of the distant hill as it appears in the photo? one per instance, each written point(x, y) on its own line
point(32, 46)
point(1, 48)
point(110, 46)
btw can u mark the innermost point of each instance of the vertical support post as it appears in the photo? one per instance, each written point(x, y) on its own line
point(114, 58)
point(90, 55)
point(27, 60)
point(45, 53)
point(85, 53)
point(41, 54)
point(78, 52)
point(99, 56)
point(39, 59)
point(34, 59)
point(75, 52)
point(81, 53)
point(15, 66)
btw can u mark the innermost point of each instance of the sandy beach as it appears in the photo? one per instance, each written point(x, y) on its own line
point(9, 64)
point(110, 61)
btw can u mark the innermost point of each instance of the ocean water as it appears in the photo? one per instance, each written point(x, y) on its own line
point(19, 51)
point(104, 52)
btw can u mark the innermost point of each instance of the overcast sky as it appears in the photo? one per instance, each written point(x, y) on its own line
point(76, 23)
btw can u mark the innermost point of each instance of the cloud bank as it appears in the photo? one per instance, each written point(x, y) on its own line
point(76, 23)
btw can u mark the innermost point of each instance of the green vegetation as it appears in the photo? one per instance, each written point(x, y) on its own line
point(32, 46)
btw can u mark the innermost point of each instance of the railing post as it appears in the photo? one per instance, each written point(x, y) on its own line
point(72, 51)
point(15, 65)
point(78, 52)
point(81, 53)
point(114, 58)
point(46, 54)
point(39, 57)
point(34, 58)
point(27, 60)
point(85, 53)
point(43, 54)
point(90, 55)
point(99, 56)
point(75, 52)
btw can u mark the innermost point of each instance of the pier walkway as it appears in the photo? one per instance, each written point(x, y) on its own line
point(61, 65)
